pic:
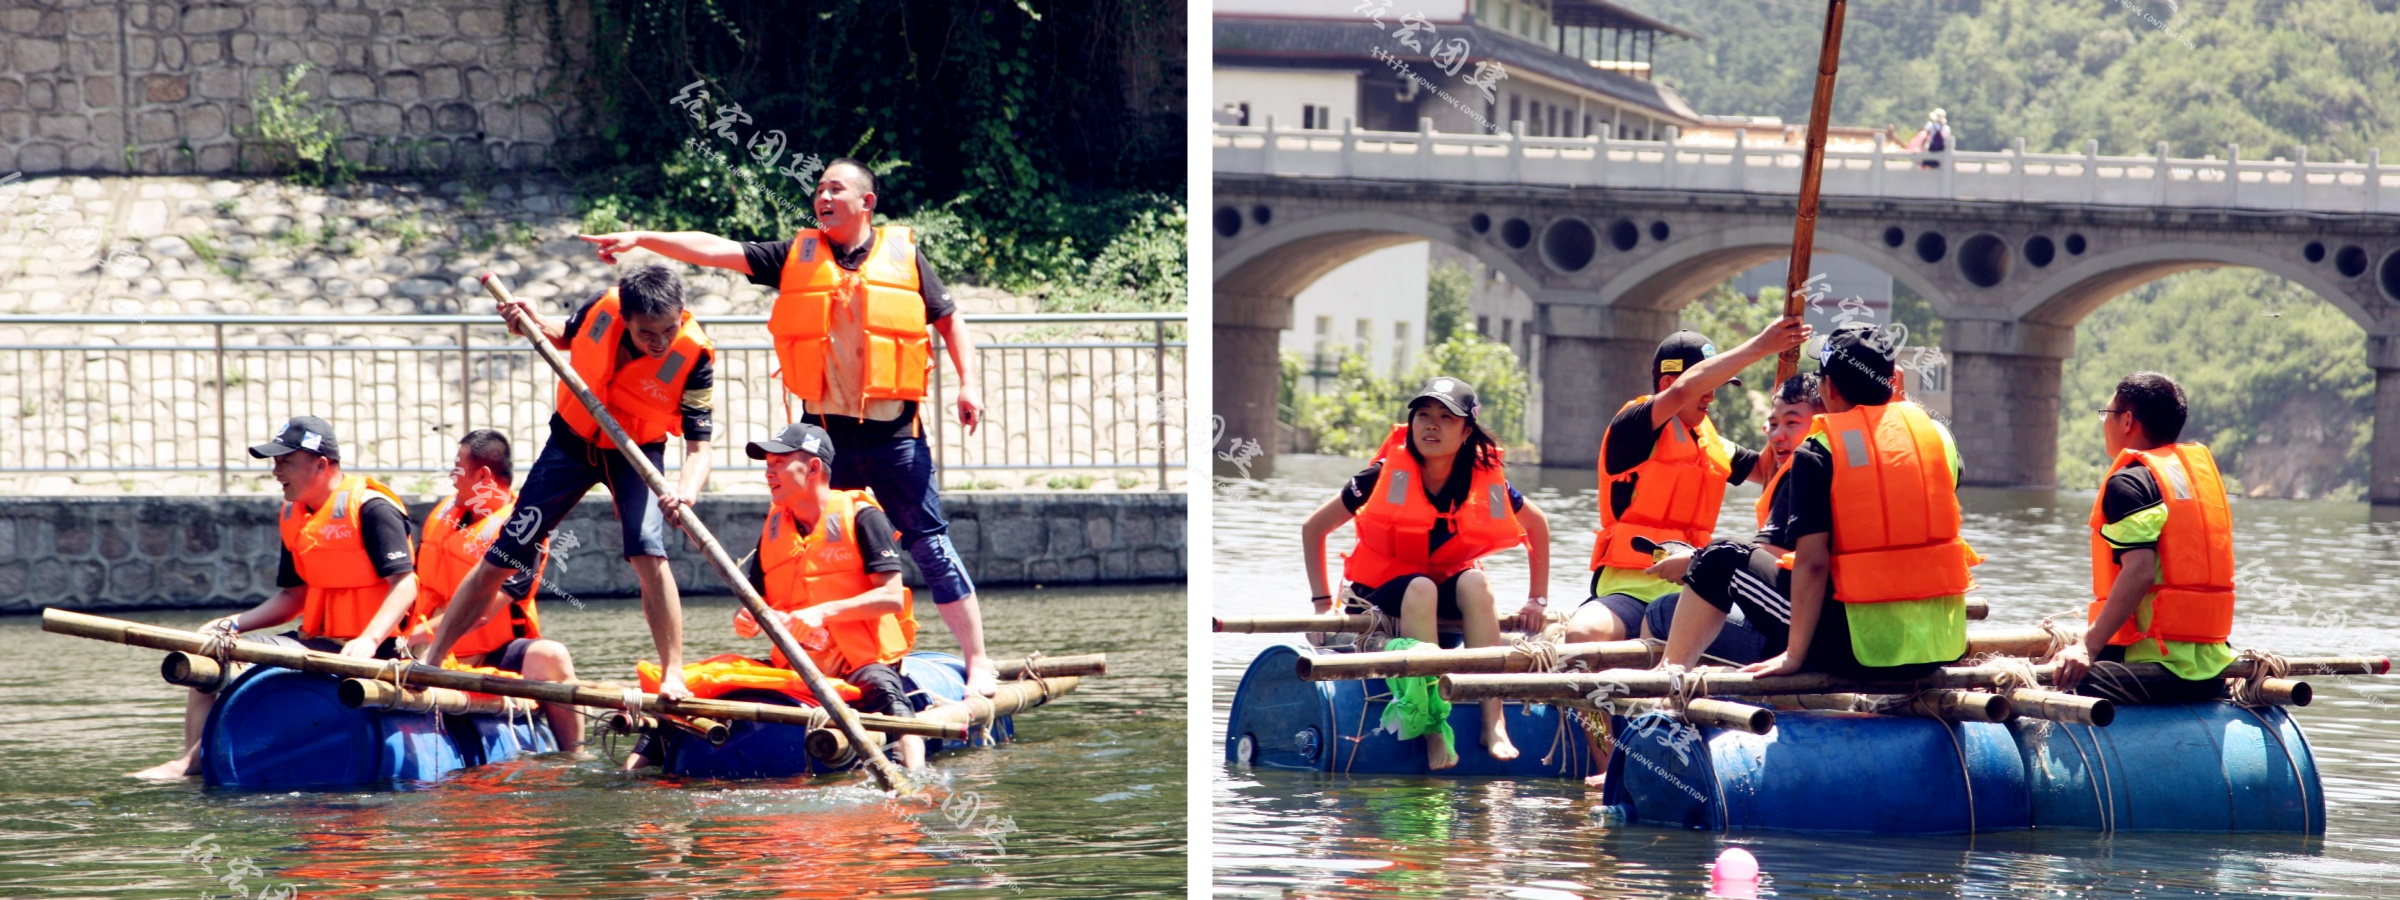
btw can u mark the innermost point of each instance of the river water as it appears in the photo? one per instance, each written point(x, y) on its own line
point(2317, 578)
point(1095, 785)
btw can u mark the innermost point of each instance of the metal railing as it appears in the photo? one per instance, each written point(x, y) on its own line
point(127, 396)
point(1885, 172)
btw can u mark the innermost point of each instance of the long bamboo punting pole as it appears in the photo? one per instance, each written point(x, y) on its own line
point(1343, 623)
point(2026, 642)
point(1055, 666)
point(1014, 697)
point(1812, 176)
point(1638, 683)
point(119, 631)
point(885, 771)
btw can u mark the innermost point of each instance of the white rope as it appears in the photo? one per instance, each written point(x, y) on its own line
point(2264, 664)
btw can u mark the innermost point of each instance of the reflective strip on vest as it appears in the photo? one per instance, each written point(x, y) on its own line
point(1395, 525)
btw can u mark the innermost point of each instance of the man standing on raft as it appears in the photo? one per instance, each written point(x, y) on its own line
point(851, 320)
point(651, 366)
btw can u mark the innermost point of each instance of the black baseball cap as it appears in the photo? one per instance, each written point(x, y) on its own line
point(1863, 345)
point(1455, 395)
point(1679, 352)
point(799, 437)
point(301, 433)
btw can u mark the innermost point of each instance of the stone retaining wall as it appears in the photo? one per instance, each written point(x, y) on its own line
point(172, 552)
point(426, 85)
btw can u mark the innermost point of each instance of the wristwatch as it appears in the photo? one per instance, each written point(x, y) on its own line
point(1543, 602)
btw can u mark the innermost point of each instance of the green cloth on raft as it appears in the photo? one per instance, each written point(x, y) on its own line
point(1417, 707)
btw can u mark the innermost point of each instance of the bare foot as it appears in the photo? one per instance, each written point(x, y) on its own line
point(673, 689)
point(1596, 782)
point(1438, 755)
point(1495, 742)
point(983, 679)
point(175, 769)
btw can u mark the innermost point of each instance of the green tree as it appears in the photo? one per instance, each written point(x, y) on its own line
point(1358, 407)
point(1447, 286)
point(1727, 318)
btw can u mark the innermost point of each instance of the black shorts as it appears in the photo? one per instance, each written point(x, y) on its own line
point(510, 657)
point(1730, 573)
point(1388, 597)
point(1627, 608)
point(880, 690)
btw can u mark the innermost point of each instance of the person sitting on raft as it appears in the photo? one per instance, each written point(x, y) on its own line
point(2162, 560)
point(1663, 471)
point(458, 532)
point(1425, 516)
point(828, 562)
point(1869, 508)
point(1797, 405)
point(345, 572)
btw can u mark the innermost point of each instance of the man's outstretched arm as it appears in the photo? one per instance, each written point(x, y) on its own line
point(696, 247)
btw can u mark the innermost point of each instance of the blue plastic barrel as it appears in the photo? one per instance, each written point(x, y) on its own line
point(766, 750)
point(1283, 722)
point(282, 729)
point(2200, 767)
point(1820, 771)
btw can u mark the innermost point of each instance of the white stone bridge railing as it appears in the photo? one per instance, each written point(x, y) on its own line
point(1705, 163)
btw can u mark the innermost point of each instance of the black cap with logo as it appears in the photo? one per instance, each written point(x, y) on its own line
point(1456, 396)
point(799, 437)
point(301, 433)
point(1680, 352)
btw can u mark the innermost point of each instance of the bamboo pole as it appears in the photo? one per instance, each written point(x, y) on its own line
point(886, 773)
point(2285, 692)
point(1947, 705)
point(1741, 717)
point(1014, 697)
point(1812, 173)
point(119, 631)
point(2027, 642)
point(2057, 707)
point(829, 747)
point(1642, 683)
point(199, 673)
point(1360, 623)
point(367, 693)
point(714, 732)
point(1054, 666)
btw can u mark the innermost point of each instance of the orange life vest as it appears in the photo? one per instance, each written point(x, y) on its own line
point(447, 552)
point(1766, 501)
point(1393, 525)
point(329, 551)
point(645, 393)
point(1676, 492)
point(803, 570)
point(897, 350)
point(726, 673)
point(1895, 506)
point(2193, 600)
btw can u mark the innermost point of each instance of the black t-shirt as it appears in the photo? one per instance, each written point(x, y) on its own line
point(384, 526)
point(1453, 493)
point(766, 270)
point(1630, 440)
point(698, 387)
point(2131, 490)
point(878, 550)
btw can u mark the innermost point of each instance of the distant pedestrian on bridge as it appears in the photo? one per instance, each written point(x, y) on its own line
point(1933, 139)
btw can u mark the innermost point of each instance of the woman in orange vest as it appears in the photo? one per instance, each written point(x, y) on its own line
point(654, 370)
point(1875, 583)
point(1436, 500)
point(461, 528)
point(346, 572)
point(2162, 553)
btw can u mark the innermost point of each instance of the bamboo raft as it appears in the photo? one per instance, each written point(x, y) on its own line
point(301, 719)
point(1971, 747)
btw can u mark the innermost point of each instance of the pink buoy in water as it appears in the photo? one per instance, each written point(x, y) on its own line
point(1735, 874)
